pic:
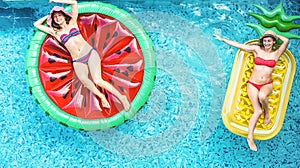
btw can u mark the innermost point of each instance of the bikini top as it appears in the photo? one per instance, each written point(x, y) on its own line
point(65, 37)
point(260, 61)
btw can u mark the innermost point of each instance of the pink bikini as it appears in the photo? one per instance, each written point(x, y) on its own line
point(74, 32)
point(65, 37)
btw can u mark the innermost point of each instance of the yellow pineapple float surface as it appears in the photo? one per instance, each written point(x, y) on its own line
point(237, 107)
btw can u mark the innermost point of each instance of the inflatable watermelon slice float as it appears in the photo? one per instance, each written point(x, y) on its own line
point(127, 62)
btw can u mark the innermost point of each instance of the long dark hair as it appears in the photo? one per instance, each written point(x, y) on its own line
point(55, 25)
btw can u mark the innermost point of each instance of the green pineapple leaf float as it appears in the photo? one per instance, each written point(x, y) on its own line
point(275, 20)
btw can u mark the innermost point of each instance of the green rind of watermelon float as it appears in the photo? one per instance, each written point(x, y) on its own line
point(127, 62)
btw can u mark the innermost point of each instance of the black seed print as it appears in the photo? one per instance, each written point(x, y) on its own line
point(65, 95)
point(84, 102)
point(118, 52)
point(63, 77)
point(50, 60)
point(104, 45)
point(72, 95)
point(64, 58)
point(52, 79)
point(130, 68)
point(128, 49)
point(76, 84)
point(93, 42)
point(115, 34)
point(125, 73)
point(56, 55)
point(107, 35)
point(121, 88)
point(117, 70)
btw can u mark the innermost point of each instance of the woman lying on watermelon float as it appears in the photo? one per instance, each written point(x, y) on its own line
point(64, 28)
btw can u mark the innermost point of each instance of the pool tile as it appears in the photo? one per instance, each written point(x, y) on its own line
point(5, 23)
point(6, 12)
point(24, 12)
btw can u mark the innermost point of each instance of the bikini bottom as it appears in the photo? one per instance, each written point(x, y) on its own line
point(259, 86)
point(84, 59)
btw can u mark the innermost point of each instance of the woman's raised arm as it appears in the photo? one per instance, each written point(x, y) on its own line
point(70, 2)
point(39, 24)
point(283, 46)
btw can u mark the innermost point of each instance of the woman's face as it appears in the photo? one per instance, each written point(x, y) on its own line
point(268, 42)
point(59, 18)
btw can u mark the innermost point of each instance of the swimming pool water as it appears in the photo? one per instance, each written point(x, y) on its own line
point(180, 126)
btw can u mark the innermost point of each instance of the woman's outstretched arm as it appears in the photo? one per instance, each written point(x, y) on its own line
point(248, 48)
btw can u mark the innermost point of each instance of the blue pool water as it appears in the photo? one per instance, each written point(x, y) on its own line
point(180, 126)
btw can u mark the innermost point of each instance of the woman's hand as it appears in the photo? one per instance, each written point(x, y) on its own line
point(248, 48)
point(218, 37)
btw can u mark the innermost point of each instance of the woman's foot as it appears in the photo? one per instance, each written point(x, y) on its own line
point(267, 119)
point(251, 144)
point(105, 103)
point(125, 103)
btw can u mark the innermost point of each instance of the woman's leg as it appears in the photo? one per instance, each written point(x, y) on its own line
point(95, 69)
point(263, 98)
point(82, 71)
point(253, 95)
